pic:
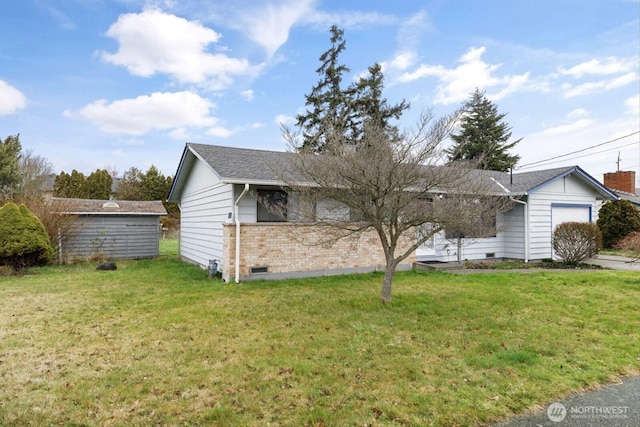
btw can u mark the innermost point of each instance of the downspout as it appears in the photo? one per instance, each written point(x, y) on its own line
point(237, 221)
point(526, 219)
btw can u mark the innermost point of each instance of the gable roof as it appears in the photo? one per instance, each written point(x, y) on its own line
point(524, 183)
point(243, 165)
point(107, 207)
point(633, 198)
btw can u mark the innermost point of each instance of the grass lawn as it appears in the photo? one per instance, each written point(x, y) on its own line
point(158, 343)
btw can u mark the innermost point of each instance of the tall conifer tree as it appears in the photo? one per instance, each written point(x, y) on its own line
point(484, 136)
point(341, 113)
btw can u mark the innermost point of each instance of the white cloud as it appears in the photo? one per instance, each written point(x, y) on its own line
point(153, 42)
point(257, 125)
point(402, 61)
point(158, 111)
point(11, 99)
point(247, 94)
point(179, 134)
point(457, 83)
point(219, 132)
point(269, 24)
point(577, 113)
point(131, 141)
point(568, 129)
point(609, 66)
point(283, 119)
point(633, 105)
point(599, 86)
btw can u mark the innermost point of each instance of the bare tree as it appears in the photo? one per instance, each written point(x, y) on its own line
point(394, 186)
point(33, 171)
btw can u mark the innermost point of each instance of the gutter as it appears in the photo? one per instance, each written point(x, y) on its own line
point(526, 218)
point(237, 221)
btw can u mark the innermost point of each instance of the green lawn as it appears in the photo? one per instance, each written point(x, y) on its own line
point(158, 343)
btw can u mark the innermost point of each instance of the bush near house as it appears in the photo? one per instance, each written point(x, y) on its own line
point(630, 243)
point(24, 242)
point(576, 241)
point(616, 219)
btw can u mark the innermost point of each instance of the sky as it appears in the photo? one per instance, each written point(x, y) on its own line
point(115, 84)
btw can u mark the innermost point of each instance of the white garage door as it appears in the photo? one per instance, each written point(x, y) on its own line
point(560, 214)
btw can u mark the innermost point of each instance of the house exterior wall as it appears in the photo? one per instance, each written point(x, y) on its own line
point(567, 190)
point(278, 247)
point(205, 205)
point(446, 250)
point(514, 233)
point(248, 206)
point(112, 236)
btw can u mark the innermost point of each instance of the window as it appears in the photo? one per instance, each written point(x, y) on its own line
point(478, 222)
point(424, 230)
point(272, 205)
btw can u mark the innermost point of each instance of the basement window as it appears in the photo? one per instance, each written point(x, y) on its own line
point(490, 255)
point(259, 270)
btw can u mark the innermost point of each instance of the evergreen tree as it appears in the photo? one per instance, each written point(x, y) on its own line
point(10, 150)
point(78, 184)
point(329, 106)
point(616, 219)
point(24, 242)
point(341, 114)
point(99, 185)
point(372, 108)
point(155, 185)
point(62, 185)
point(130, 185)
point(484, 137)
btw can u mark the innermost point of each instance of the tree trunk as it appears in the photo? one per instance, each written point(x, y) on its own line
point(388, 281)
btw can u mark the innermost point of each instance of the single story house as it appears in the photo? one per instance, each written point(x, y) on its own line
point(114, 229)
point(224, 226)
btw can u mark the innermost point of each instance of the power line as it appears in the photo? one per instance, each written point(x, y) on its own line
point(577, 151)
point(589, 154)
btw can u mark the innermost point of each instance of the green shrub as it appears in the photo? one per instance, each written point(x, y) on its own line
point(23, 240)
point(616, 219)
point(576, 241)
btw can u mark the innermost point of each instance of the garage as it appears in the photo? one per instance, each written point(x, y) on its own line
point(569, 213)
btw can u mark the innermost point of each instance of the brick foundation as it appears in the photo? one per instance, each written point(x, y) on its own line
point(286, 250)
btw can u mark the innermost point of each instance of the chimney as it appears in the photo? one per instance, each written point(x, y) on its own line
point(621, 181)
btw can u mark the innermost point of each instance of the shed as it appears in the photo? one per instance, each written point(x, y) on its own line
point(118, 229)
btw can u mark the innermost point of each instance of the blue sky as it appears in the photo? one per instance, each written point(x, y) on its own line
point(112, 84)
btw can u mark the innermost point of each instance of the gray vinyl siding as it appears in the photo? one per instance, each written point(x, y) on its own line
point(114, 236)
point(204, 207)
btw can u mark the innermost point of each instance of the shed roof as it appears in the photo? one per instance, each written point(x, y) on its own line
point(108, 207)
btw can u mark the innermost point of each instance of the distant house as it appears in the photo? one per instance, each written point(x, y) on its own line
point(112, 229)
point(223, 223)
point(623, 183)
